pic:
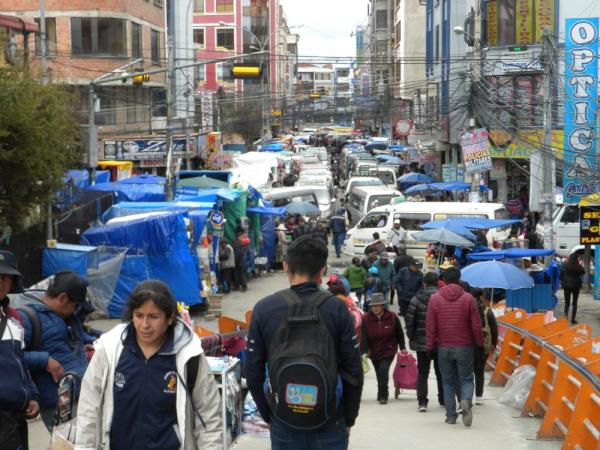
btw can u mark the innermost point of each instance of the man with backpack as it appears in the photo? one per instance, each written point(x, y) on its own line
point(55, 339)
point(311, 393)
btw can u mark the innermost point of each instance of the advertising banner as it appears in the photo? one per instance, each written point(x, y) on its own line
point(492, 22)
point(589, 225)
point(544, 18)
point(581, 93)
point(142, 149)
point(476, 150)
point(524, 29)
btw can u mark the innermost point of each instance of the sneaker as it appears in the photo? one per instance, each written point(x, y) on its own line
point(479, 400)
point(573, 322)
point(383, 401)
point(422, 408)
point(467, 414)
point(451, 420)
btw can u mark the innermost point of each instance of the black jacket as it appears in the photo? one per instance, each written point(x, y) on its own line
point(570, 277)
point(416, 317)
point(266, 320)
point(407, 284)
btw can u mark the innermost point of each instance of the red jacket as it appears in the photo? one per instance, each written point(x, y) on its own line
point(453, 319)
point(383, 335)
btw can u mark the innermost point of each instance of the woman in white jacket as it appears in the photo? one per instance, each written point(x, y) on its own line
point(136, 392)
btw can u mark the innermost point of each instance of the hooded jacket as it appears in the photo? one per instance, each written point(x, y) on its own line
point(386, 274)
point(408, 283)
point(416, 319)
point(356, 275)
point(453, 319)
point(96, 402)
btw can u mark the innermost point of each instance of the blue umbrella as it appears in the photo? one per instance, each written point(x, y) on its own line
point(414, 177)
point(496, 275)
point(458, 186)
point(455, 228)
point(510, 253)
point(442, 236)
point(376, 146)
point(420, 189)
point(302, 208)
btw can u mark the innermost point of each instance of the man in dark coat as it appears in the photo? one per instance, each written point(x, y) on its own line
point(416, 317)
point(408, 282)
point(338, 230)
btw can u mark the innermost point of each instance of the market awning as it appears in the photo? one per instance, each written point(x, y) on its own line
point(267, 210)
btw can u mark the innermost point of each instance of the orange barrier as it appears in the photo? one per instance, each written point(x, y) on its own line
point(248, 318)
point(203, 332)
point(566, 387)
point(230, 325)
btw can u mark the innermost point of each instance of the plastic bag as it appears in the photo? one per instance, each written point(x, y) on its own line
point(365, 363)
point(517, 389)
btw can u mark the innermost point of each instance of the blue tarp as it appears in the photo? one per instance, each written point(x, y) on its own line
point(144, 178)
point(457, 186)
point(537, 298)
point(162, 240)
point(81, 178)
point(274, 147)
point(125, 192)
point(398, 148)
point(510, 253)
point(268, 211)
point(131, 208)
point(194, 194)
point(221, 175)
point(471, 223)
point(78, 258)
point(376, 146)
point(267, 229)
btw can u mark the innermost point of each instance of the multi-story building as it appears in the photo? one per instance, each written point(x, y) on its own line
point(86, 41)
point(314, 91)
point(15, 39)
point(342, 95)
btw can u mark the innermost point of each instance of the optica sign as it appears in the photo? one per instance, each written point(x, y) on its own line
point(581, 93)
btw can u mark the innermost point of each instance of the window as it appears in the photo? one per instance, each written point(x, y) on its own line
point(412, 221)
point(374, 220)
point(225, 38)
point(199, 37)
point(571, 214)
point(136, 40)
point(223, 72)
point(107, 114)
point(159, 102)
point(224, 5)
point(381, 19)
point(132, 105)
point(201, 73)
point(158, 3)
point(199, 6)
point(398, 32)
point(50, 37)
point(379, 200)
point(381, 47)
point(155, 44)
point(437, 42)
point(103, 36)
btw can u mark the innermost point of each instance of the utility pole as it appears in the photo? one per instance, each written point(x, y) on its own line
point(547, 166)
point(475, 78)
point(169, 183)
point(43, 46)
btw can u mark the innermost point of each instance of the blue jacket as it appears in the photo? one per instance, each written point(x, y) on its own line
point(62, 340)
point(407, 284)
point(16, 386)
point(338, 222)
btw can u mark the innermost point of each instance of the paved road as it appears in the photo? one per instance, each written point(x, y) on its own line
point(397, 425)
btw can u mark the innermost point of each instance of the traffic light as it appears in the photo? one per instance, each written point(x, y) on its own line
point(314, 95)
point(246, 71)
point(138, 80)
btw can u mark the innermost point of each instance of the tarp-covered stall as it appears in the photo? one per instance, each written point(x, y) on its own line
point(128, 192)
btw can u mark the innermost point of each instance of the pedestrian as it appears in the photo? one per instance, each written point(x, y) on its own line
point(340, 287)
point(291, 223)
point(302, 228)
point(490, 339)
point(19, 398)
point(408, 282)
point(386, 275)
point(320, 233)
point(401, 260)
point(369, 259)
point(415, 322)
point(377, 244)
point(226, 264)
point(338, 230)
point(397, 236)
point(55, 339)
point(372, 286)
point(571, 279)
point(329, 351)
point(240, 251)
point(149, 384)
point(281, 246)
point(356, 275)
point(453, 328)
point(382, 333)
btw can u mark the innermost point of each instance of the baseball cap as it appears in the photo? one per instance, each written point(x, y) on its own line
point(396, 221)
point(70, 283)
point(8, 266)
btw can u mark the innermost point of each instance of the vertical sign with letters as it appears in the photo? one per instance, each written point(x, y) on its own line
point(581, 94)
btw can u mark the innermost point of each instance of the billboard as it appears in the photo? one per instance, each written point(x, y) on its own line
point(142, 149)
point(476, 150)
point(581, 93)
point(589, 225)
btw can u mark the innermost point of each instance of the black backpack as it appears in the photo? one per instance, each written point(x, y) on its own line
point(303, 365)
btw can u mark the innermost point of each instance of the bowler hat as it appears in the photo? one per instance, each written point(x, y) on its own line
point(378, 299)
point(8, 266)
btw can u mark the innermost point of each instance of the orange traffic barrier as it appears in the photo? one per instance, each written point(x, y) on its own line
point(248, 318)
point(203, 332)
point(584, 430)
point(531, 348)
point(231, 325)
point(541, 389)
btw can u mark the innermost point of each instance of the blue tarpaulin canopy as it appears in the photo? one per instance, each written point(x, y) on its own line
point(415, 177)
point(511, 253)
point(144, 178)
point(267, 211)
point(457, 186)
point(273, 147)
point(81, 178)
point(398, 148)
point(376, 146)
point(471, 223)
point(131, 208)
point(195, 194)
point(78, 258)
point(126, 192)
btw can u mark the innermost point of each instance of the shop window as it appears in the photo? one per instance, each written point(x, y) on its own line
point(136, 40)
point(199, 37)
point(224, 6)
point(155, 44)
point(50, 37)
point(98, 36)
point(225, 38)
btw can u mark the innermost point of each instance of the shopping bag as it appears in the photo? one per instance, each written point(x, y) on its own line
point(63, 436)
point(405, 372)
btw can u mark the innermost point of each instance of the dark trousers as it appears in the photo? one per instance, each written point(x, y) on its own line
point(358, 292)
point(13, 431)
point(392, 292)
point(382, 372)
point(424, 366)
point(226, 276)
point(338, 242)
point(403, 306)
point(479, 368)
point(568, 293)
point(239, 278)
point(456, 365)
point(332, 436)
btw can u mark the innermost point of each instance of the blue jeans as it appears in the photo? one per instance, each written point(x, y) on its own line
point(332, 436)
point(456, 366)
point(338, 242)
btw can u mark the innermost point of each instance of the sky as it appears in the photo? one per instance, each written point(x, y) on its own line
point(327, 25)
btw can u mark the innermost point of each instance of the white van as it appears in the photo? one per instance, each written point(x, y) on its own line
point(565, 230)
point(361, 181)
point(414, 214)
point(317, 195)
point(363, 199)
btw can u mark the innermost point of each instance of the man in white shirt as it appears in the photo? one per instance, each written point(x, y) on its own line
point(397, 236)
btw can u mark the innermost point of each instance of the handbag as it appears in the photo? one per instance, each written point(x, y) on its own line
point(405, 372)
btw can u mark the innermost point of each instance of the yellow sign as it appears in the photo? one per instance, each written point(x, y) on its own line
point(521, 145)
point(492, 22)
point(524, 28)
point(544, 18)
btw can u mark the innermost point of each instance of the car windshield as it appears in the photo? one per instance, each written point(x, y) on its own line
point(379, 200)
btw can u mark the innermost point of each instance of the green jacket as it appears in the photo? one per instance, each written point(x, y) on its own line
point(356, 275)
point(386, 274)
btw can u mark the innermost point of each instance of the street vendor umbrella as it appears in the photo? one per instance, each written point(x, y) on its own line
point(414, 177)
point(302, 208)
point(421, 189)
point(455, 227)
point(496, 275)
point(442, 236)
